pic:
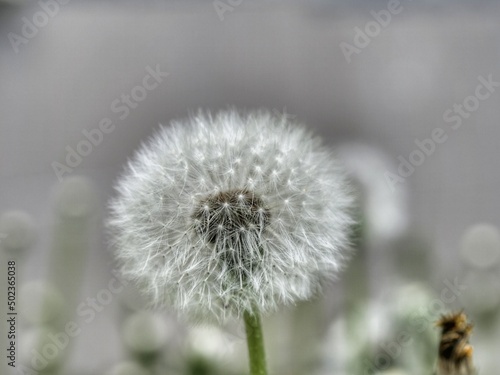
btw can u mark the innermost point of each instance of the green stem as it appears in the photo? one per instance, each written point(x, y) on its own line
point(255, 342)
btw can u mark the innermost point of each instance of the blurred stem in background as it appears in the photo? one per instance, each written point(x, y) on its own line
point(75, 208)
point(382, 219)
point(75, 205)
point(308, 327)
point(356, 292)
point(17, 235)
point(146, 335)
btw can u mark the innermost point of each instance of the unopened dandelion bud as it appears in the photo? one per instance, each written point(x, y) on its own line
point(146, 332)
point(17, 231)
point(40, 302)
point(127, 368)
point(455, 352)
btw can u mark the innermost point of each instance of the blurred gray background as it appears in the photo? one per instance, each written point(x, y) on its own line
point(278, 55)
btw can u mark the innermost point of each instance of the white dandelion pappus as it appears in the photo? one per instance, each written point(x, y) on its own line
point(219, 215)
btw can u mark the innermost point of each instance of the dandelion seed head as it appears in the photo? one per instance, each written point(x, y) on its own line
point(217, 215)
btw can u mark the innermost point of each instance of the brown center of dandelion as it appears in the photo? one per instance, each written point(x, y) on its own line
point(229, 217)
point(233, 222)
